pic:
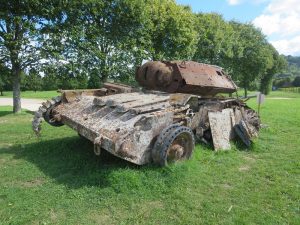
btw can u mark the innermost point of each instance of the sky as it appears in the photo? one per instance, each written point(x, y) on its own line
point(279, 20)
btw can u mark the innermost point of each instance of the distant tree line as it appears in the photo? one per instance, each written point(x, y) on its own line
point(79, 44)
point(290, 76)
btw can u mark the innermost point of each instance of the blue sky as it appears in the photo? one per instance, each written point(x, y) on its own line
point(278, 19)
point(245, 12)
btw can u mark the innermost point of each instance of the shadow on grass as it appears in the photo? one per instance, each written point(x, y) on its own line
point(4, 113)
point(71, 161)
point(24, 111)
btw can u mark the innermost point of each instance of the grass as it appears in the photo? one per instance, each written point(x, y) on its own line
point(32, 94)
point(57, 180)
point(50, 94)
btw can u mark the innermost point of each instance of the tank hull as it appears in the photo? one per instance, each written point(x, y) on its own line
point(122, 124)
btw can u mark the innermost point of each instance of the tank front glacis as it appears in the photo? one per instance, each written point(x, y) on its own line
point(184, 77)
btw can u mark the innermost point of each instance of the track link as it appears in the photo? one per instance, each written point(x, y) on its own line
point(41, 113)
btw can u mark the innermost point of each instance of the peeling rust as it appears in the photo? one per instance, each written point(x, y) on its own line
point(128, 122)
point(185, 77)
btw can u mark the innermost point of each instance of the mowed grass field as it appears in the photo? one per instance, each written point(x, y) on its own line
point(32, 94)
point(57, 179)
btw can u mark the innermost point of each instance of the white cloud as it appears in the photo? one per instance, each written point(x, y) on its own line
point(238, 2)
point(282, 18)
point(288, 46)
point(234, 2)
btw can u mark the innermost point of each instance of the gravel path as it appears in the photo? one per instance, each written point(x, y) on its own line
point(34, 104)
point(29, 104)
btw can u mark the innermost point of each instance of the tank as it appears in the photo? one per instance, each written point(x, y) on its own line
point(177, 104)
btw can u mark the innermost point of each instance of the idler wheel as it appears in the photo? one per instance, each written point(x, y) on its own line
point(49, 117)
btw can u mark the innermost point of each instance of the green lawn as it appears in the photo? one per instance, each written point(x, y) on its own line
point(50, 94)
point(32, 94)
point(58, 180)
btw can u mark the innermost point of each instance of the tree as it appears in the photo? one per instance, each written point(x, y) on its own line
point(33, 81)
point(282, 82)
point(100, 37)
point(251, 57)
point(170, 31)
point(296, 81)
point(2, 84)
point(215, 39)
point(4, 81)
point(22, 23)
point(94, 80)
point(293, 67)
point(50, 79)
point(278, 64)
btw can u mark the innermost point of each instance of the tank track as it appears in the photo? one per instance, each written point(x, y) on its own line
point(44, 112)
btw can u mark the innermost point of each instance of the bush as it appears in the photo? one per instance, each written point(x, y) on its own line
point(296, 81)
point(291, 89)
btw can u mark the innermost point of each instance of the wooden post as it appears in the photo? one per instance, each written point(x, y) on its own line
point(260, 99)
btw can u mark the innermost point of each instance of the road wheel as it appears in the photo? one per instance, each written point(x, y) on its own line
point(174, 144)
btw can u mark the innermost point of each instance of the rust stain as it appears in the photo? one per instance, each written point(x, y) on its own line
point(127, 122)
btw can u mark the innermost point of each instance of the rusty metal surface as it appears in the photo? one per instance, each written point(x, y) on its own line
point(122, 128)
point(129, 122)
point(114, 88)
point(221, 125)
point(184, 77)
point(204, 79)
point(107, 89)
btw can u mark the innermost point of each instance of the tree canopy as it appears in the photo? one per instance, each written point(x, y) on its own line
point(80, 44)
point(23, 26)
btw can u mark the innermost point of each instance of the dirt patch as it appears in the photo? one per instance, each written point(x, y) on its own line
point(56, 216)
point(249, 159)
point(148, 206)
point(226, 186)
point(53, 215)
point(101, 217)
point(153, 204)
point(244, 168)
point(33, 183)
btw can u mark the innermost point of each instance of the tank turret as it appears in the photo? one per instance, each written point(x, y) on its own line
point(184, 77)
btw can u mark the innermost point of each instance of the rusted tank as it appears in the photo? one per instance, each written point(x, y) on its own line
point(159, 122)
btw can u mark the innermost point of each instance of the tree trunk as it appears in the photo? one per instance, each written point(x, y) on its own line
point(16, 90)
point(104, 76)
point(1, 93)
point(246, 93)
